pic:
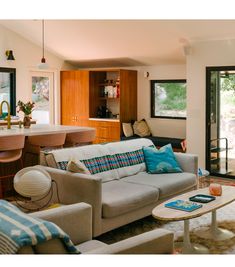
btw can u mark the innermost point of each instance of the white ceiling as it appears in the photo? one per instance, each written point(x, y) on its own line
point(107, 43)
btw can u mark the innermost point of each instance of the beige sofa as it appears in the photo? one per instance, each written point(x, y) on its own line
point(76, 221)
point(121, 191)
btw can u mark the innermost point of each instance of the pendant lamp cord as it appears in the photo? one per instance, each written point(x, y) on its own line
point(43, 38)
point(43, 60)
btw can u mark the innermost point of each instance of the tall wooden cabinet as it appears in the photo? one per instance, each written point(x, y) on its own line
point(74, 97)
point(102, 99)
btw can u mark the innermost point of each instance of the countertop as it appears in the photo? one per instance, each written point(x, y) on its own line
point(14, 122)
point(40, 129)
point(104, 119)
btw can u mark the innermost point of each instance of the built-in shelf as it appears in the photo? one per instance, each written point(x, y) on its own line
point(218, 165)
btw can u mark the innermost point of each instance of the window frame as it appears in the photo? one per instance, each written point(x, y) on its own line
point(152, 88)
point(12, 72)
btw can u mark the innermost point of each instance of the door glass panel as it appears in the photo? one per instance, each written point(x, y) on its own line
point(221, 121)
point(40, 95)
point(43, 96)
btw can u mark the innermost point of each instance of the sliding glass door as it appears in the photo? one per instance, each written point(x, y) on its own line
point(220, 121)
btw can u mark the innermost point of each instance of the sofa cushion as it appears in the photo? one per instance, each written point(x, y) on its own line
point(161, 160)
point(90, 245)
point(119, 197)
point(169, 184)
point(128, 156)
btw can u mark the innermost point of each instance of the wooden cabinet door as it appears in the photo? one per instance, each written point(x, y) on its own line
point(82, 95)
point(74, 97)
point(128, 95)
point(67, 88)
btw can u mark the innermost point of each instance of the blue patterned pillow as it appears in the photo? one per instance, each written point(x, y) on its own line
point(161, 161)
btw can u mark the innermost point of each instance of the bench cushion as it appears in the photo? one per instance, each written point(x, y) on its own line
point(119, 197)
point(159, 141)
point(169, 184)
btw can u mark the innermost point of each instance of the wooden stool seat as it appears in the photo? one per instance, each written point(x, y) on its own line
point(80, 138)
point(10, 156)
point(10, 151)
point(34, 144)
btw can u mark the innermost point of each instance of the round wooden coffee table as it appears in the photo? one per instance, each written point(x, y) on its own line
point(168, 214)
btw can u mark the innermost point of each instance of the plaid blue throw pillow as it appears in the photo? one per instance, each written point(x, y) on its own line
point(161, 161)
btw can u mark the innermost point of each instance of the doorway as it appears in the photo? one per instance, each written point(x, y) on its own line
point(220, 121)
point(42, 84)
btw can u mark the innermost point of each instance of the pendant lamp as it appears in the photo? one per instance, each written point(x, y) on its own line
point(43, 64)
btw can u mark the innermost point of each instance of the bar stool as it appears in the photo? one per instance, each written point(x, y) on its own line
point(81, 138)
point(10, 151)
point(35, 144)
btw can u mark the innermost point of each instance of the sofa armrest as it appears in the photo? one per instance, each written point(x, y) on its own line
point(77, 187)
point(158, 241)
point(188, 162)
point(74, 219)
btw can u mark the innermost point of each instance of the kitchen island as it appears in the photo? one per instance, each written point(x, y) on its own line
point(41, 129)
point(7, 170)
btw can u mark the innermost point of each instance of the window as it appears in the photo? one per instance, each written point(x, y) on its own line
point(168, 99)
point(8, 88)
point(43, 96)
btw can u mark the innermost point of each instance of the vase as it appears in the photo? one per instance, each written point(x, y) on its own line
point(26, 121)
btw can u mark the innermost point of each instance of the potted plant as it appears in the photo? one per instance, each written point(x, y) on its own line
point(27, 109)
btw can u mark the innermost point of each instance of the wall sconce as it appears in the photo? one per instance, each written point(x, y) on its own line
point(9, 54)
point(146, 74)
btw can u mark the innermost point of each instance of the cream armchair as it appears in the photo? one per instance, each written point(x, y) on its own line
point(76, 221)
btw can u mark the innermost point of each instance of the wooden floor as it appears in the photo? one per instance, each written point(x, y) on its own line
point(206, 181)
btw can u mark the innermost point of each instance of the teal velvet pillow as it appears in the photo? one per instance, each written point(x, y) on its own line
point(161, 161)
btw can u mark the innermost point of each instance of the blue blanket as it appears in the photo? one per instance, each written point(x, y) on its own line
point(18, 229)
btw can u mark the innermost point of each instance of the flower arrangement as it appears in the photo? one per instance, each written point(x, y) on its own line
point(27, 108)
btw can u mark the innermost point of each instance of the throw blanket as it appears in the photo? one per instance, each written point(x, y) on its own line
point(18, 229)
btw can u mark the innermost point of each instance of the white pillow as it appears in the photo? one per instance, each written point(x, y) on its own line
point(127, 129)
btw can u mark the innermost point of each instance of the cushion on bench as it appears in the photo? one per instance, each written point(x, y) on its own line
point(159, 141)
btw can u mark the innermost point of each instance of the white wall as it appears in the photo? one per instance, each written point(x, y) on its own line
point(213, 53)
point(27, 56)
point(159, 127)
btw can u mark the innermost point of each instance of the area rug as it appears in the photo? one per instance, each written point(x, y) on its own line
point(225, 219)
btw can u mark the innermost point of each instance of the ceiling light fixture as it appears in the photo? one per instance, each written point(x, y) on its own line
point(43, 64)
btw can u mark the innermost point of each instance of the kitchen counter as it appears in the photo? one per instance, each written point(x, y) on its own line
point(104, 119)
point(14, 122)
point(41, 129)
